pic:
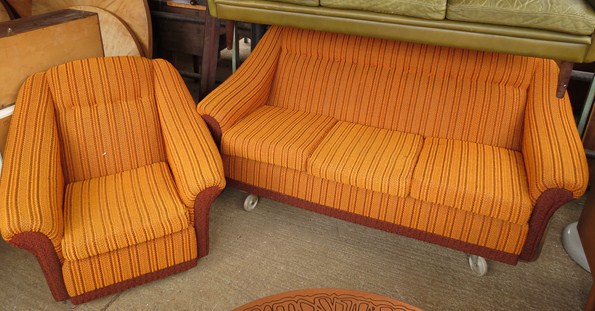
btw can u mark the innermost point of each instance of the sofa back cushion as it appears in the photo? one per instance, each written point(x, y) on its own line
point(106, 115)
point(427, 90)
point(426, 9)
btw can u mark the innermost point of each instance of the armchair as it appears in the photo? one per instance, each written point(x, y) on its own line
point(109, 175)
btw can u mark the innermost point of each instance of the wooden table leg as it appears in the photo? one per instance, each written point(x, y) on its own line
point(210, 55)
point(586, 231)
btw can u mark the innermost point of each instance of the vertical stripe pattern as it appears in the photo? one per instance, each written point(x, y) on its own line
point(277, 136)
point(477, 178)
point(113, 212)
point(107, 116)
point(371, 158)
point(553, 152)
point(413, 88)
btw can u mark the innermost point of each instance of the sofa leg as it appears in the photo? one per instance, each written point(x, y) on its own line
point(478, 265)
point(250, 202)
point(564, 77)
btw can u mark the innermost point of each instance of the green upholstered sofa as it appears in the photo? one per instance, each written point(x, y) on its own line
point(555, 29)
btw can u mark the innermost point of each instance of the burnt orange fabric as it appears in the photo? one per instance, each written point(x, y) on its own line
point(277, 136)
point(107, 116)
point(113, 212)
point(191, 152)
point(553, 152)
point(438, 219)
point(477, 178)
point(413, 88)
point(33, 153)
point(249, 87)
point(366, 157)
point(81, 276)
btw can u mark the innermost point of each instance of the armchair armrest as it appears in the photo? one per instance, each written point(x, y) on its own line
point(246, 90)
point(32, 181)
point(553, 152)
point(191, 152)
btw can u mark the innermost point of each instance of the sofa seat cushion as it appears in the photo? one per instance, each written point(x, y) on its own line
point(367, 157)
point(427, 9)
point(569, 16)
point(113, 212)
point(477, 178)
point(278, 136)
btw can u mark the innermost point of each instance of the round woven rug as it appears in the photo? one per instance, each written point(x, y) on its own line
point(326, 299)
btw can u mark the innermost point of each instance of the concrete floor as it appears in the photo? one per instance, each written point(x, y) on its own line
point(278, 248)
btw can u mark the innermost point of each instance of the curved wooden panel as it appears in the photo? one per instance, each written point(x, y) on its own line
point(135, 13)
point(3, 14)
point(117, 38)
point(23, 7)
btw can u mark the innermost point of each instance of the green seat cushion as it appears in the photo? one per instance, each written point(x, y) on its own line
point(569, 16)
point(301, 2)
point(427, 9)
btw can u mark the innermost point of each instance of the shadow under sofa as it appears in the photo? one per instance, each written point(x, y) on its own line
point(469, 150)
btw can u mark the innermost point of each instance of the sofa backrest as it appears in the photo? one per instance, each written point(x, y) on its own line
point(106, 116)
point(427, 90)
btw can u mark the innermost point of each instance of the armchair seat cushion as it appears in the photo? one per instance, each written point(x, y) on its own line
point(367, 157)
point(116, 211)
point(569, 16)
point(278, 136)
point(427, 9)
point(482, 179)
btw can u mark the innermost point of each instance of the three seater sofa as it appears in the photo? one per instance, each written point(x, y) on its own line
point(466, 149)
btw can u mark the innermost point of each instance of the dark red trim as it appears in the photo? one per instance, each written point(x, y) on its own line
point(41, 247)
point(141, 279)
point(202, 208)
point(378, 224)
point(547, 204)
point(214, 127)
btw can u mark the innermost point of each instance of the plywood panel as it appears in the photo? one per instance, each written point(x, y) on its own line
point(135, 13)
point(40, 42)
point(117, 38)
point(3, 14)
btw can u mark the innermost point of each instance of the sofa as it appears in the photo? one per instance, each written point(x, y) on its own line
point(561, 30)
point(109, 175)
point(466, 149)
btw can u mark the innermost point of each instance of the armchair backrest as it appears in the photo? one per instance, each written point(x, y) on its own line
point(422, 89)
point(106, 116)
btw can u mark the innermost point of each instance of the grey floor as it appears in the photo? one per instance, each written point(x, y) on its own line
point(279, 248)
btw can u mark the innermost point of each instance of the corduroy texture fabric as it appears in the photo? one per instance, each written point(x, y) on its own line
point(113, 212)
point(437, 219)
point(371, 158)
point(277, 136)
point(552, 149)
point(107, 116)
point(477, 178)
point(248, 88)
point(413, 88)
point(191, 152)
point(81, 276)
point(33, 154)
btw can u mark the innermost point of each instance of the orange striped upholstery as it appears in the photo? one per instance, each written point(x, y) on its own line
point(249, 88)
point(482, 179)
point(82, 276)
point(191, 152)
point(277, 136)
point(438, 219)
point(419, 89)
point(113, 212)
point(107, 116)
point(553, 152)
point(33, 153)
point(366, 157)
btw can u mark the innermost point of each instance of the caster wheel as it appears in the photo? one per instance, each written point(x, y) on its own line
point(478, 265)
point(250, 202)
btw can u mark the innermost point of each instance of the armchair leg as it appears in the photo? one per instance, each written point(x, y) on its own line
point(564, 77)
point(202, 208)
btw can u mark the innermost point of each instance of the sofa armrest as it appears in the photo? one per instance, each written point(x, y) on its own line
point(246, 90)
point(552, 149)
point(191, 152)
point(32, 180)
